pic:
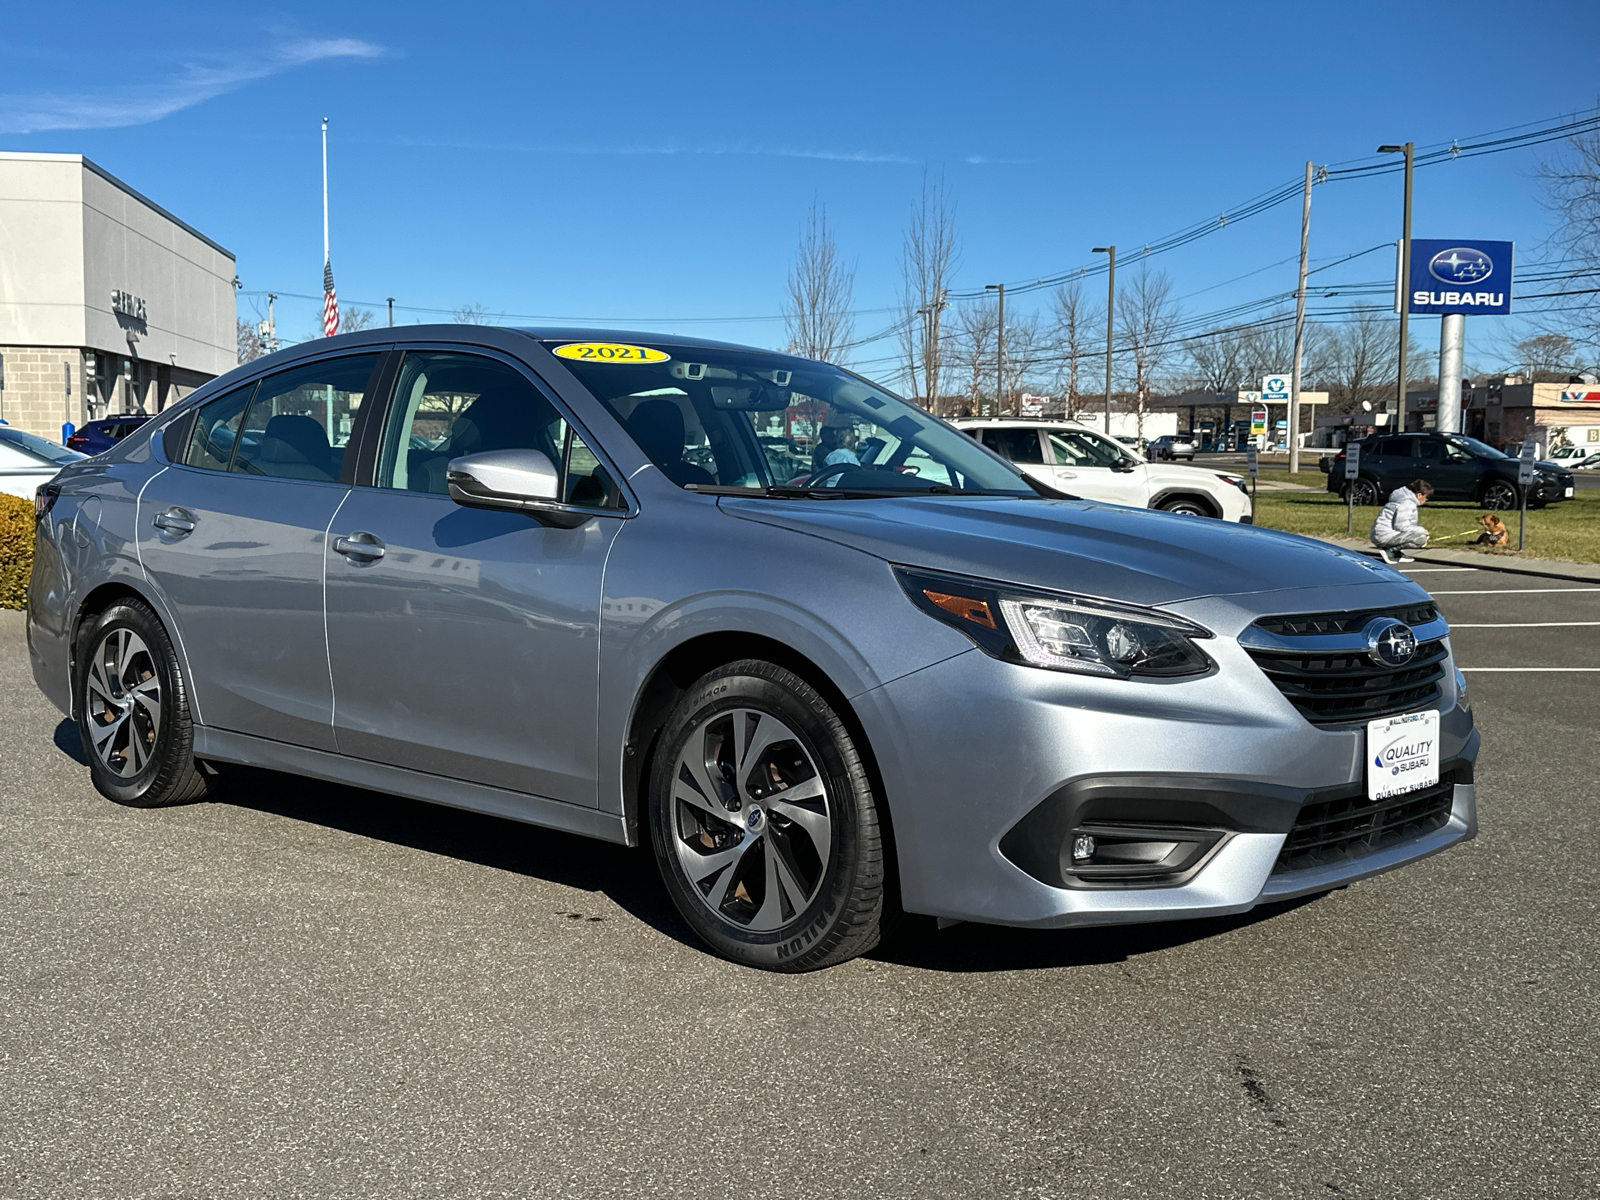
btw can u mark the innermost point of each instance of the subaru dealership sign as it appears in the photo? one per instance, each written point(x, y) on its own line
point(1460, 277)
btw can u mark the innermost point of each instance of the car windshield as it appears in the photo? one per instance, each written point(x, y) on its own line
point(38, 447)
point(722, 418)
point(1474, 447)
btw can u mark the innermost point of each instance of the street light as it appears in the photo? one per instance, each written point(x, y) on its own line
point(1405, 271)
point(1111, 296)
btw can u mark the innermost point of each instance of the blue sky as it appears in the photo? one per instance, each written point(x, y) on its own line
point(650, 165)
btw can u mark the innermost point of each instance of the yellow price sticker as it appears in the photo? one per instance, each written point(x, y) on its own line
point(610, 352)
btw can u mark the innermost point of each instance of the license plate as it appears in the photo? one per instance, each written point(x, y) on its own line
point(1568, 493)
point(1402, 754)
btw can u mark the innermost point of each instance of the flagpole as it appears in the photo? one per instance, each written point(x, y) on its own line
point(325, 257)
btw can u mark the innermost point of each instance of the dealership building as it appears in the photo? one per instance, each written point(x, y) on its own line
point(108, 303)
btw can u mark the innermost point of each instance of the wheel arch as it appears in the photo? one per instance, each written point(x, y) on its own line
point(676, 673)
point(101, 597)
point(1209, 503)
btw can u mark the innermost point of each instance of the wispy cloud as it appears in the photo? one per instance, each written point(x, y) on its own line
point(139, 104)
point(665, 148)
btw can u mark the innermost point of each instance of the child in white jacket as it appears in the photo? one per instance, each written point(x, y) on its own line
point(1396, 529)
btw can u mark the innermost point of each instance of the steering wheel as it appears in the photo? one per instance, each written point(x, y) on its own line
point(816, 478)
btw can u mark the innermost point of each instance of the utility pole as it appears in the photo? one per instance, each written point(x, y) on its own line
point(1405, 275)
point(1111, 300)
point(1299, 328)
point(1000, 351)
point(391, 312)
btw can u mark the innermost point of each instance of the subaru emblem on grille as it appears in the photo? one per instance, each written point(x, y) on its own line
point(1392, 643)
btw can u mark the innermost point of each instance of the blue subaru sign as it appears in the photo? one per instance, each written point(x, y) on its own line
point(1460, 276)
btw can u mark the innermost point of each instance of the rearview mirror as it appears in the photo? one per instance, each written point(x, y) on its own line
point(512, 480)
point(750, 399)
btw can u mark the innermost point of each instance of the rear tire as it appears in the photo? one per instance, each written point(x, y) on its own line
point(764, 823)
point(132, 704)
point(1364, 491)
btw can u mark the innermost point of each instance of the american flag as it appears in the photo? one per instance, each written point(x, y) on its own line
point(330, 302)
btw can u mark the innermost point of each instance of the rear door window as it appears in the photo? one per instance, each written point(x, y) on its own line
point(1395, 447)
point(1016, 445)
point(299, 423)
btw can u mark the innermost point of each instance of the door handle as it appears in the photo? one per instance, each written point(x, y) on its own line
point(1060, 474)
point(174, 520)
point(359, 545)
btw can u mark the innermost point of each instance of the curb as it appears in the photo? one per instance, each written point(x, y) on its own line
point(1469, 561)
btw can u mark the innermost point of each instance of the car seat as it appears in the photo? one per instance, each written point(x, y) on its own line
point(657, 425)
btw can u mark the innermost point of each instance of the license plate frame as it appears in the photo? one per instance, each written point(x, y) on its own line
point(1402, 754)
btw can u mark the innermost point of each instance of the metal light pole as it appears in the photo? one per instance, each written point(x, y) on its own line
point(1000, 350)
point(1452, 342)
point(1405, 275)
point(1111, 298)
point(1299, 329)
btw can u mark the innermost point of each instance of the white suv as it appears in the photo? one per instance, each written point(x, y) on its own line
point(1075, 459)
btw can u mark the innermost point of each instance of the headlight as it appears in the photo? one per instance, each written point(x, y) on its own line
point(1238, 481)
point(1060, 632)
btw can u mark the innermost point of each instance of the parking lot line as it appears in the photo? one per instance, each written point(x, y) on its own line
point(1504, 670)
point(1510, 591)
point(1439, 570)
point(1520, 624)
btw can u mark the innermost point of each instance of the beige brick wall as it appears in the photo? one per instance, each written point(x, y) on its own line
point(35, 396)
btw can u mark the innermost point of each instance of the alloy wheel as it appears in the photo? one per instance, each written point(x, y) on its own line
point(123, 698)
point(752, 823)
point(1365, 492)
point(1499, 496)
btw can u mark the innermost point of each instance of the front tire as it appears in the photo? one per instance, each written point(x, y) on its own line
point(764, 823)
point(1500, 496)
point(1186, 506)
point(132, 704)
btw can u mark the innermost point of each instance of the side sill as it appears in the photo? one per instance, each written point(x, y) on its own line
point(225, 746)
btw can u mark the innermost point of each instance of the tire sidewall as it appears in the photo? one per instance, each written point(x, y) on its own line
point(785, 696)
point(1496, 485)
point(123, 789)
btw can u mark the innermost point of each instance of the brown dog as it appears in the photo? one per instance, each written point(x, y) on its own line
point(1494, 531)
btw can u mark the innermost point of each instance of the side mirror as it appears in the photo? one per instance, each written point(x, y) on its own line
point(513, 481)
point(1124, 465)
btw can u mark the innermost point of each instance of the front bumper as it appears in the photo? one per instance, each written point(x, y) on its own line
point(973, 748)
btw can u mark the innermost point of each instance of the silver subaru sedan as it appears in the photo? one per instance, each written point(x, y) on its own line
point(832, 658)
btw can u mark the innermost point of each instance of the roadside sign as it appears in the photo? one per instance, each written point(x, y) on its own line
point(1461, 276)
point(1352, 470)
point(1033, 406)
point(1275, 387)
point(1258, 421)
point(1525, 464)
point(1352, 460)
point(1252, 464)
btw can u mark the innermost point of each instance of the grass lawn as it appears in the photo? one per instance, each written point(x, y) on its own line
point(1569, 530)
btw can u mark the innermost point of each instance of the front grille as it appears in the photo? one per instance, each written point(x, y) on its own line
point(1345, 622)
point(1347, 685)
point(1331, 831)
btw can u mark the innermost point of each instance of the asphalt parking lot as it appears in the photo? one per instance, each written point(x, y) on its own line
point(306, 990)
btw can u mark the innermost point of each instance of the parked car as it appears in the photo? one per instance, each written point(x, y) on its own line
point(1569, 456)
point(1458, 467)
point(96, 437)
point(1587, 464)
point(26, 461)
point(1081, 462)
point(1170, 447)
point(921, 682)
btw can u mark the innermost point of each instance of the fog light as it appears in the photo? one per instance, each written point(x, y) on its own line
point(1082, 847)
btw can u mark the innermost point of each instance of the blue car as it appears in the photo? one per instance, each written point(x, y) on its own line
point(96, 437)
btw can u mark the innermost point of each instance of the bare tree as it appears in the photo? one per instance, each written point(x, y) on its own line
point(1026, 349)
point(973, 347)
point(472, 314)
point(1217, 358)
point(251, 344)
point(1362, 359)
point(1147, 317)
point(1074, 321)
point(816, 310)
point(1572, 191)
point(927, 263)
point(352, 319)
point(1552, 355)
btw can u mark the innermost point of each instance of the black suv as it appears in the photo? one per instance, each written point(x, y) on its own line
point(1458, 467)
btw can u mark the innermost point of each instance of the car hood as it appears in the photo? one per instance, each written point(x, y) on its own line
point(1133, 554)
